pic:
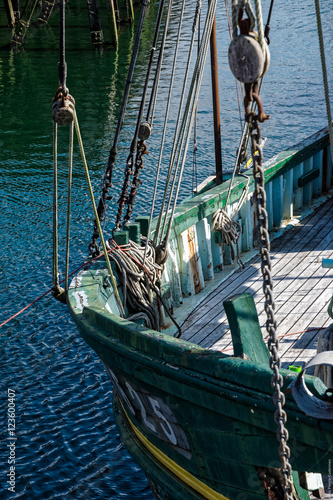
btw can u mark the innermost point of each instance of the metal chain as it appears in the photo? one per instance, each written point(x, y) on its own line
point(275, 362)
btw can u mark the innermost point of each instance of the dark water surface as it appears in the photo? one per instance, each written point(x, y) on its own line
point(67, 445)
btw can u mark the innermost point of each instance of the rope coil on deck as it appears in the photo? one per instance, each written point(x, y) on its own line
point(137, 281)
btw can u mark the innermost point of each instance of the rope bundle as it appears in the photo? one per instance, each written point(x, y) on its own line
point(230, 230)
point(138, 280)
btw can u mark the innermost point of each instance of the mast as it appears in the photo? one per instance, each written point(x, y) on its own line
point(216, 105)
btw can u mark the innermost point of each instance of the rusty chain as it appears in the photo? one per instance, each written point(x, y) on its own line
point(275, 362)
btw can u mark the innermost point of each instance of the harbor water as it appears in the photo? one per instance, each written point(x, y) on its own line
point(66, 442)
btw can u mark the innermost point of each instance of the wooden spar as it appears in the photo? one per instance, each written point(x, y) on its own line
point(216, 105)
point(10, 12)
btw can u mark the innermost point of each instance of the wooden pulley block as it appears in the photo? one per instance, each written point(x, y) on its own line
point(144, 131)
point(246, 59)
point(63, 109)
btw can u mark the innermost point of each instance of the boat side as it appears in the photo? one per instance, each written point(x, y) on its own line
point(201, 418)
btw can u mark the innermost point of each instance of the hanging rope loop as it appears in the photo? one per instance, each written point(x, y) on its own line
point(230, 231)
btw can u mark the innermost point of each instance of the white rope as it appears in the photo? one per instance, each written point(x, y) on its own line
point(260, 27)
point(230, 231)
point(135, 282)
point(165, 124)
point(178, 123)
point(323, 65)
point(191, 104)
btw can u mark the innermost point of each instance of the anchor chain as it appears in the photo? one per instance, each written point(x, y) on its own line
point(280, 415)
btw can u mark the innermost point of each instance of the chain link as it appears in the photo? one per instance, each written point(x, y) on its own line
point(280, 415)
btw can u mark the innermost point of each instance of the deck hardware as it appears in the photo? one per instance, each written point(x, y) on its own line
point(308, 177)
point(306, 401)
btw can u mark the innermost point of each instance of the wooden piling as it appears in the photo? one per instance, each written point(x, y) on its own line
point(10, 12)
point(24, 22)
point(113, 21)
point(96, 32)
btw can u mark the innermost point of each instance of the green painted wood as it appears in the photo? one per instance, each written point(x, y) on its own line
point(143, 220)
point(245, 330)
point(121, 237)
point(134, 232)
point(204, 204)
point(304, 179)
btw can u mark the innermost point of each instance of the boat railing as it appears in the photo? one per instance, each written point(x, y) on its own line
point(294, 180)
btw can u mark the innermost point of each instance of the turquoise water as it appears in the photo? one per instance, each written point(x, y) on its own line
point(67, 444)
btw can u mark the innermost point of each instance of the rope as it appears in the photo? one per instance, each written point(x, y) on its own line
point(230, 230)
point(324, 69)
point(178, 122)
point(69, 192)
point(62, 66)
point(260, 26)
point(165, 125)
point(134, 145)
point(107, 179)
point(132, 275)
point(192, 101)
point(113, 281)
point(56, 289)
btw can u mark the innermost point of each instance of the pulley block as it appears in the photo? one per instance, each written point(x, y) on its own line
point(144, 131)
point(63, 108)
point(246, 59)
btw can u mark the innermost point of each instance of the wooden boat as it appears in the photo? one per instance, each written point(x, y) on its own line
point(200, 422)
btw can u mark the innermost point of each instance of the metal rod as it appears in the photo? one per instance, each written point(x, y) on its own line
point(216, 106)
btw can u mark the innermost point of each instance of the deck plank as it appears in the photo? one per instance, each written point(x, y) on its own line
point(302, 291)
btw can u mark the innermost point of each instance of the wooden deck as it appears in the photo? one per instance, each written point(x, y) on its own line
point(302, 291)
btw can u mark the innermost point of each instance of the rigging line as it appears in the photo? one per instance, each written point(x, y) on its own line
point(55, 277)
point(70, 174)
point(107, 179)
point(176, 137)
point(86, 170)
point(62, 66)
point(134, 144)
point(238, 84)
point(324, 70)
point(195, 148)
point(203, 50)
point(154, 91)
point(268, 27)
point(164, 127)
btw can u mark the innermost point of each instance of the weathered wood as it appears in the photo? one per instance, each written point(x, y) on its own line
point(278, 201)
point(304, 179)
point(245, 330)
point(113, 21)
point(301, 289)
point(307, 189)
point(46, 11)
point(318, 181)
point(24, 22)
point(10, 12)
point(288, 195)
point(96, 32)
point(205, 249)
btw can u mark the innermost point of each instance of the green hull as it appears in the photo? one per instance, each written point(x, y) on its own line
point(201, 423)
point(198, 422)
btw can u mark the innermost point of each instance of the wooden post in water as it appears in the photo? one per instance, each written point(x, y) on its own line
point(113, 21)
point(96, 32)
point(216, 105)
point(24, 23)
point(17, 9)
point(10, 12)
